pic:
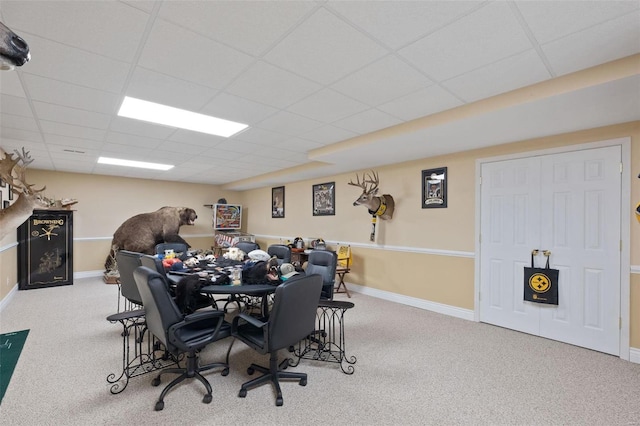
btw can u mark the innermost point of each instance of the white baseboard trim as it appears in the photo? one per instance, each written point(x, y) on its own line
point(634, 355)
point(88, 274)
point(7, 299)
point(415, 302)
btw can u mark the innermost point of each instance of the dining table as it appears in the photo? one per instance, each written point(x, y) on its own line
point(240, 294)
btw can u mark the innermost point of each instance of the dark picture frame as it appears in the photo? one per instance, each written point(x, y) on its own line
point(324, 199)
point(434, 188)
point(277, 202)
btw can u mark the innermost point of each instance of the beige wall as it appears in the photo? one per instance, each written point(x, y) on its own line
point(423, 253)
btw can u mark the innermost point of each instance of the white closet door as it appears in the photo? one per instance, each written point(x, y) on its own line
point(510, 219)
point(567, 203)
point(580, 206)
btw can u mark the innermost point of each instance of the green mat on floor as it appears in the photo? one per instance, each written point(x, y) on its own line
point(10, 348)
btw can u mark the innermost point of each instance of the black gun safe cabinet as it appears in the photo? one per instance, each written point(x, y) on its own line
point(45, 251)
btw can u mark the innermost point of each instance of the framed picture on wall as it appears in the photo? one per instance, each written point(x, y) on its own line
point(434, 188)
point(324, 199)
point(277, 202)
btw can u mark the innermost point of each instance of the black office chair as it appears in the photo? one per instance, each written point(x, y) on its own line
point(291, 319)
point(323, 263)
point(179, 333)
point(127, 262)
point(247, 247)
point(281, 252)
point(180, 249)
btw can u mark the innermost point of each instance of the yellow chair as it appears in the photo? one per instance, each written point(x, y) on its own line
point(343, 267)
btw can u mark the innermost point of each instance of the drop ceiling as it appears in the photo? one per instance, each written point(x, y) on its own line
point(326, 87)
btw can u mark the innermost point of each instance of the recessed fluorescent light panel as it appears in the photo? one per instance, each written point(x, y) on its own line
point(176, 117)
point(129, 163)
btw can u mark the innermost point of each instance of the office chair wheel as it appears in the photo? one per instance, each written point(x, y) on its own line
point(242, 393)
point(279, 401)
point(250, 371)
point(156, 382)
point(159, 405)
point(303, 382)
point(207, 398)
point(225, 372)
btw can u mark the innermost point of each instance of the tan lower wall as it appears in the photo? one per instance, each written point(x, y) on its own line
point(634, 318)
point(8, 270)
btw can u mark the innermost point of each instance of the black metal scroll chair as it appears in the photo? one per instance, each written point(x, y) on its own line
point(323, 263)
point(281, 252)
point(178, 248)
point(291, 319)
point(180, 333)
point(247, 247)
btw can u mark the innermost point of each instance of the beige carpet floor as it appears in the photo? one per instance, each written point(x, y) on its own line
point(414, 367)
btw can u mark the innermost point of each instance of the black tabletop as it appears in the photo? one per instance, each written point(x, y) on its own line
point(248, 289)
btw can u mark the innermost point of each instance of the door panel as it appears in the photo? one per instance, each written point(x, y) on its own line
point(568, 203)
point(507, 238)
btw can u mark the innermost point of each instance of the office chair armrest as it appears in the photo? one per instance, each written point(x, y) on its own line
point(247, 318)
point(192, 319)
point(202, 315)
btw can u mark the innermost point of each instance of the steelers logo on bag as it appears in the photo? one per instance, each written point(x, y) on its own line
point(539, 283)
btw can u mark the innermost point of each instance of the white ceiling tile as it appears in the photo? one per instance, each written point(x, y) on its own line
point(218, 156)
point(250, 26)
point(195, 138)
point(63, 129)
point(298, 145)
point(132, 140)
point(508, 74)
point(72, 166)
point(396, 23)
point(71, 95)
point(10, 84)
point(235, 145)
point(109, 28)
point(292, 124)
point(602, 43)
point(184, 54)
point(78, 117)
point(18, 134)
point(144, 5)
point(327, 106)
point(72, 152)
point(19, 122)
point(329, 134)
point(551, 20)
point(76, 66)
point(15, 105)
point(258, 136)
point(382, 81)
point(269, 85)
point(421, 103)
point(485, 36)
point(74, 143)
point(140, 128)
point(167, 90)
point(230, 107)
point(368, 121)
point(315, 47)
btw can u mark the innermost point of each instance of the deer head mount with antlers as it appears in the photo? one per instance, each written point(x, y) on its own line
point(381, 206)
point(12, 171)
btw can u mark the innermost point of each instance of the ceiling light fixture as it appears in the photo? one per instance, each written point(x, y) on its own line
point(129, 163)
point(176, 117)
